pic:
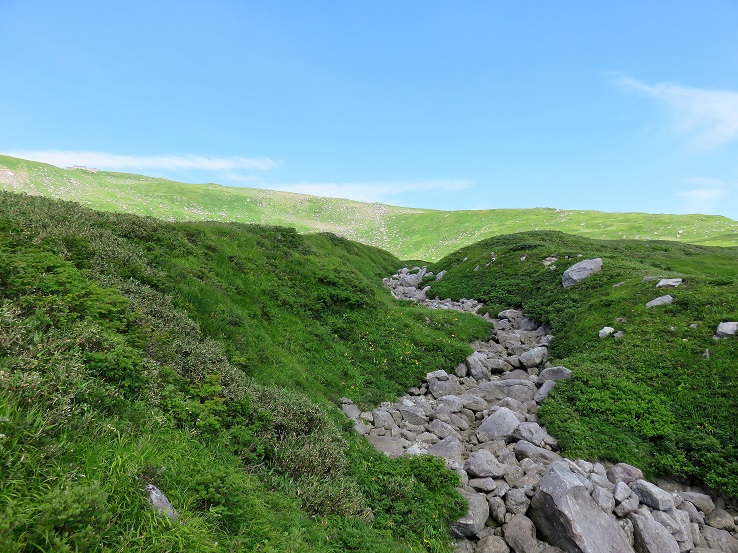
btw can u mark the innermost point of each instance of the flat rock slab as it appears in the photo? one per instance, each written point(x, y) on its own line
point(669, 283)
point(662, 300)
point(391, 447)
point(580, 271)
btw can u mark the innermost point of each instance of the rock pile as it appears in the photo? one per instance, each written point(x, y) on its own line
point(406, 285)
point(523, 495)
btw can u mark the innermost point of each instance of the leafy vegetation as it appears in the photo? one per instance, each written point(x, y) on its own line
point(206, 359)
point(662, 397)
point(407, 233)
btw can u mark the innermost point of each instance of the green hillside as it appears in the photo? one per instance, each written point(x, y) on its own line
point(407, 233)
point(207, 359)
point(664, 397)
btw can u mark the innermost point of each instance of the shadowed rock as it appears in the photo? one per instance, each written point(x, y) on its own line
point(568, 517)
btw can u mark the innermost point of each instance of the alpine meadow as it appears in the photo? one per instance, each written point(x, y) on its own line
point(207, 340)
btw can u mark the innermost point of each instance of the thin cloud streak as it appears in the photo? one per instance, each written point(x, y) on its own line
point(371, 191)
point(104, 160)
point(711, 116)
point(706, 196)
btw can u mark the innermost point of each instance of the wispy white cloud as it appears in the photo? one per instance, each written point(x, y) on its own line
point(710, 116)
point(382, 191)
point(103, 160)
point(705, 195)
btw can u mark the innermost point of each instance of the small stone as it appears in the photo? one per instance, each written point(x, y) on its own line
point(439, 375)
point(497, 509)
point(605, 332)
point(159, 501)
point(534, 357)
point(627, 506)
point(485, 485)
point(516, 502)
point(447, 448)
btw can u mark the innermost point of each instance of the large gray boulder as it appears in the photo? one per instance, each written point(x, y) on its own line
point(520, 534)
point(580, 271)
point(652, 495)
point(448, 448)
point(483, 464)
point(473, 521)
point(721, 540)
point(554, 373)
point(534, 357)
point(499, 425)
point(567, 517)
point(650, 536)
point(727, 329)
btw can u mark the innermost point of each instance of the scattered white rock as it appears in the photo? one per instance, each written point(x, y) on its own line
point(669, 283)
point(159, 501)
point(606, 331)
point(727, 329)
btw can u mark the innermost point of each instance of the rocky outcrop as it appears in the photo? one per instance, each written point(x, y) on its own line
point(522, 495)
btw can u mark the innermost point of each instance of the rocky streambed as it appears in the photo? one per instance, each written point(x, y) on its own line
point(523, 495)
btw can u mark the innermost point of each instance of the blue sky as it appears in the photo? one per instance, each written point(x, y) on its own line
point(614, 106)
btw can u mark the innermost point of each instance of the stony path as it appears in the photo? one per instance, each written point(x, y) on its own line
point(523, 495)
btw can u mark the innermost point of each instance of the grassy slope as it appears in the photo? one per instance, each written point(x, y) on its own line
point(408, 233)
point(651, 398)
point(207, 359)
